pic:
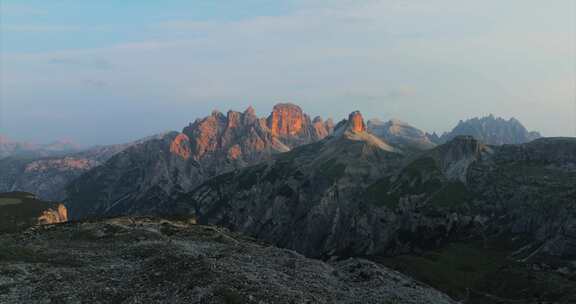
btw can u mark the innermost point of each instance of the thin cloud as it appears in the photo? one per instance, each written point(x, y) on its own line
point(94, 62)
point(53, 28)
point(41, 28)
point(20, 10)
point(95, 83)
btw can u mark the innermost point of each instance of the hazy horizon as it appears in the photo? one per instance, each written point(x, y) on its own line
point(259, 113)
point(109, 72)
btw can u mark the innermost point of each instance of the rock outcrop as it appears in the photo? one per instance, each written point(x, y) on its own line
point(56, 215)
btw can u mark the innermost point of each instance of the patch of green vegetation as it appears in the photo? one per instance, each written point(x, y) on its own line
point(13, 253)
point(249, 176)
point(385, 193)
point(378, 194)
point(221, 179)
point(10, 201)
point(18, 211)
point(454, 269)
point(481, 272)
point(231, 296)
point(280, 170)
point(18, 195)
point(332, 170)
point(452, 195)
point(417, 167)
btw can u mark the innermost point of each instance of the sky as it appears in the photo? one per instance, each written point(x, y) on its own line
point(108, 71)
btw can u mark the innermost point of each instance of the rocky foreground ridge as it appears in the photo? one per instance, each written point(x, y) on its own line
point(145, 260)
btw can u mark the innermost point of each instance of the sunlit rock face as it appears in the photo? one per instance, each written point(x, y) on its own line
point(243, 137)
point(56, 215)
point(356, 122)
point(286, 120)
point(181, 146)
point(292, 126)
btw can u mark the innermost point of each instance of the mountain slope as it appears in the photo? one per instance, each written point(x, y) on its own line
point(302, 199)
point(346, 196)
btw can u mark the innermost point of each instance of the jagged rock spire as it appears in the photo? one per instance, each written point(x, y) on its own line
point(356, 122)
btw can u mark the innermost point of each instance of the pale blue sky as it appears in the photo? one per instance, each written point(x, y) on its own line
point(110, 71)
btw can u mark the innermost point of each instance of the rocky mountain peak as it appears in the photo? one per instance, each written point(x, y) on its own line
point(250, 111)
point(400, 134)
point(492, 130)
point(356, 122)
point(355, 129)
point(234, 119)
point(286, 119)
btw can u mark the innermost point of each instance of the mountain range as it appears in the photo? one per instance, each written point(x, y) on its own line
point(46, 170)
point(484, 213)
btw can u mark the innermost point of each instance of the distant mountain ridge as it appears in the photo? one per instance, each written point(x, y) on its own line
point(400, 134)
point(490, 130)
point(47, 176)
point(224, 142)
point(9, 147)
